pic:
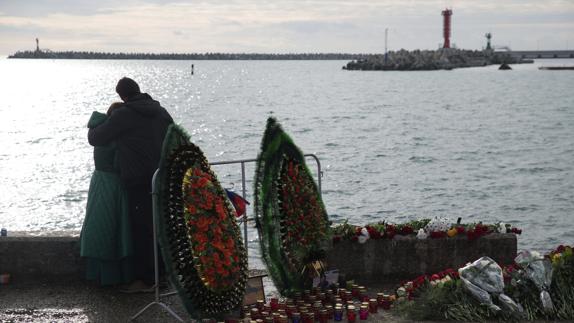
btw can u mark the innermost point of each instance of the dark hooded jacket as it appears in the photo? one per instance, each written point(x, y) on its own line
point(138, 127)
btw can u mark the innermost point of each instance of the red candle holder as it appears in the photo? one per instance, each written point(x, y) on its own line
point(351, 315)
point(373, 305)
point(274, 303)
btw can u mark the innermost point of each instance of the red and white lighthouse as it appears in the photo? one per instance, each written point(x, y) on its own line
point(446, 14)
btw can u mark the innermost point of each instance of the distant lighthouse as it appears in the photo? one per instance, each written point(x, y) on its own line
point(37, 45)
point(446, 31)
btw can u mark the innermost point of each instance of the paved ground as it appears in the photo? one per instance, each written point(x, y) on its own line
point(82, 302)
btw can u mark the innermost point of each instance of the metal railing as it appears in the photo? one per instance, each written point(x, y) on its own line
point(157, 299)
point(245, 218)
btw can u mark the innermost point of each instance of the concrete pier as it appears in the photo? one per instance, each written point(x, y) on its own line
point(533, 54)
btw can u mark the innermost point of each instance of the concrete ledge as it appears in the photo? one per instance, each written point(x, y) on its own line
point(406, 257)
point(51, 258)
point(41, 258)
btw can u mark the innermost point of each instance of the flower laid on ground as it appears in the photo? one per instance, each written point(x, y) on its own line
point(422, 229)
point(443, 295)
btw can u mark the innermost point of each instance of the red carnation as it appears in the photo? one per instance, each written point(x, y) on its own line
point(373, 233)
point(437, 234)
point(406, 230)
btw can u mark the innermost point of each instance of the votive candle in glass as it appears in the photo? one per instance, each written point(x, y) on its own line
point(364, 313)
point(351, 315)
point(338, 313)
point(373, 306)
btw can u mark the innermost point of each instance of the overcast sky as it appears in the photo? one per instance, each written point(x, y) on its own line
point(280, 26)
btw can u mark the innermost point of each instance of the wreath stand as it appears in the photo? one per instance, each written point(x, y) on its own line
point(158, 296)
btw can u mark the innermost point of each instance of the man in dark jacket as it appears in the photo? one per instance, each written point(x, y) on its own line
point(138, 127)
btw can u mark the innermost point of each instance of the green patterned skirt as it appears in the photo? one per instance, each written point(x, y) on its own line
point(106, 239)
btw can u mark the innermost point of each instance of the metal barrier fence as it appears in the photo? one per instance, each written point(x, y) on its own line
point(244, 189)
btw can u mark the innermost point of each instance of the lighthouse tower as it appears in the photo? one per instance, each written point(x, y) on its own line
point(446, 14)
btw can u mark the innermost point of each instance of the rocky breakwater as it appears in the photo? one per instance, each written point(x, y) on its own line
point(426, 60)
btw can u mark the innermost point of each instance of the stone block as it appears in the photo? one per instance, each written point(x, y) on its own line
point(41, 258)
point(405, 257)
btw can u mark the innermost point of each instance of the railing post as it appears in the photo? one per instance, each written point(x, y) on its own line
point(244, 188)
point(244, 191)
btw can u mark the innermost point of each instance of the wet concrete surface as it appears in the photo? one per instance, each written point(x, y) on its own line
point(78, 301)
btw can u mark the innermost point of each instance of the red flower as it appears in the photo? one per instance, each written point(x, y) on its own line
point(460, 229)
point(336, 239)
point(437, 234)
point(203, 224)
point(373, 233)
point(406, 230)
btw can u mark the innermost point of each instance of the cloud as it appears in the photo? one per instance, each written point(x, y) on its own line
point(274, 26)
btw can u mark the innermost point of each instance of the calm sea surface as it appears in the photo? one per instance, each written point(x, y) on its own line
point(477, 143)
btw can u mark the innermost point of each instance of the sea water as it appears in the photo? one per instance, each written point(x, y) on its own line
point(476, 143)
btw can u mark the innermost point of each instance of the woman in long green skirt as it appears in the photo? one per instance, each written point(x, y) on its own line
point(105, 241)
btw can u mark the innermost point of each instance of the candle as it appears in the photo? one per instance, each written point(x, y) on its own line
point(364, 313)
point(338, 313)
point(373, 307)
point(351, 315)
point(296, 317)
point(274, 304)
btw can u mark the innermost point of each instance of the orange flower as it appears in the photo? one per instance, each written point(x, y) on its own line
point(204, 261)
point(203, 224)
point(226, 261)
point(218, 244)
point(191, 209)
point(200, 238)
point(230, 243)
point(200, 247)
point(200, 183)
point(222, 271)
point(220, 210)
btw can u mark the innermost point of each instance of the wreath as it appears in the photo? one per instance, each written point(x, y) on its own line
point(202, 248)
point(290, 215)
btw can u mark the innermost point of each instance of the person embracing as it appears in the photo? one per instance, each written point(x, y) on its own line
point(138, 127)
point(106, 238)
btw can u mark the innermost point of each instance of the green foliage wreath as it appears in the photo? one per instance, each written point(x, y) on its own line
point(291, 217)
point(201, 244)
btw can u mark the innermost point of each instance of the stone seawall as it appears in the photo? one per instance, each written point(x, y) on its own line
point(28, 258)
point(406, 257)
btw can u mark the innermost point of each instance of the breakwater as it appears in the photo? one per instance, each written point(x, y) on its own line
point(424, 60)
point(47, 54)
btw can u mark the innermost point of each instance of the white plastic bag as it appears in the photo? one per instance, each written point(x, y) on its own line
point(539, 270)
point(483, 278)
